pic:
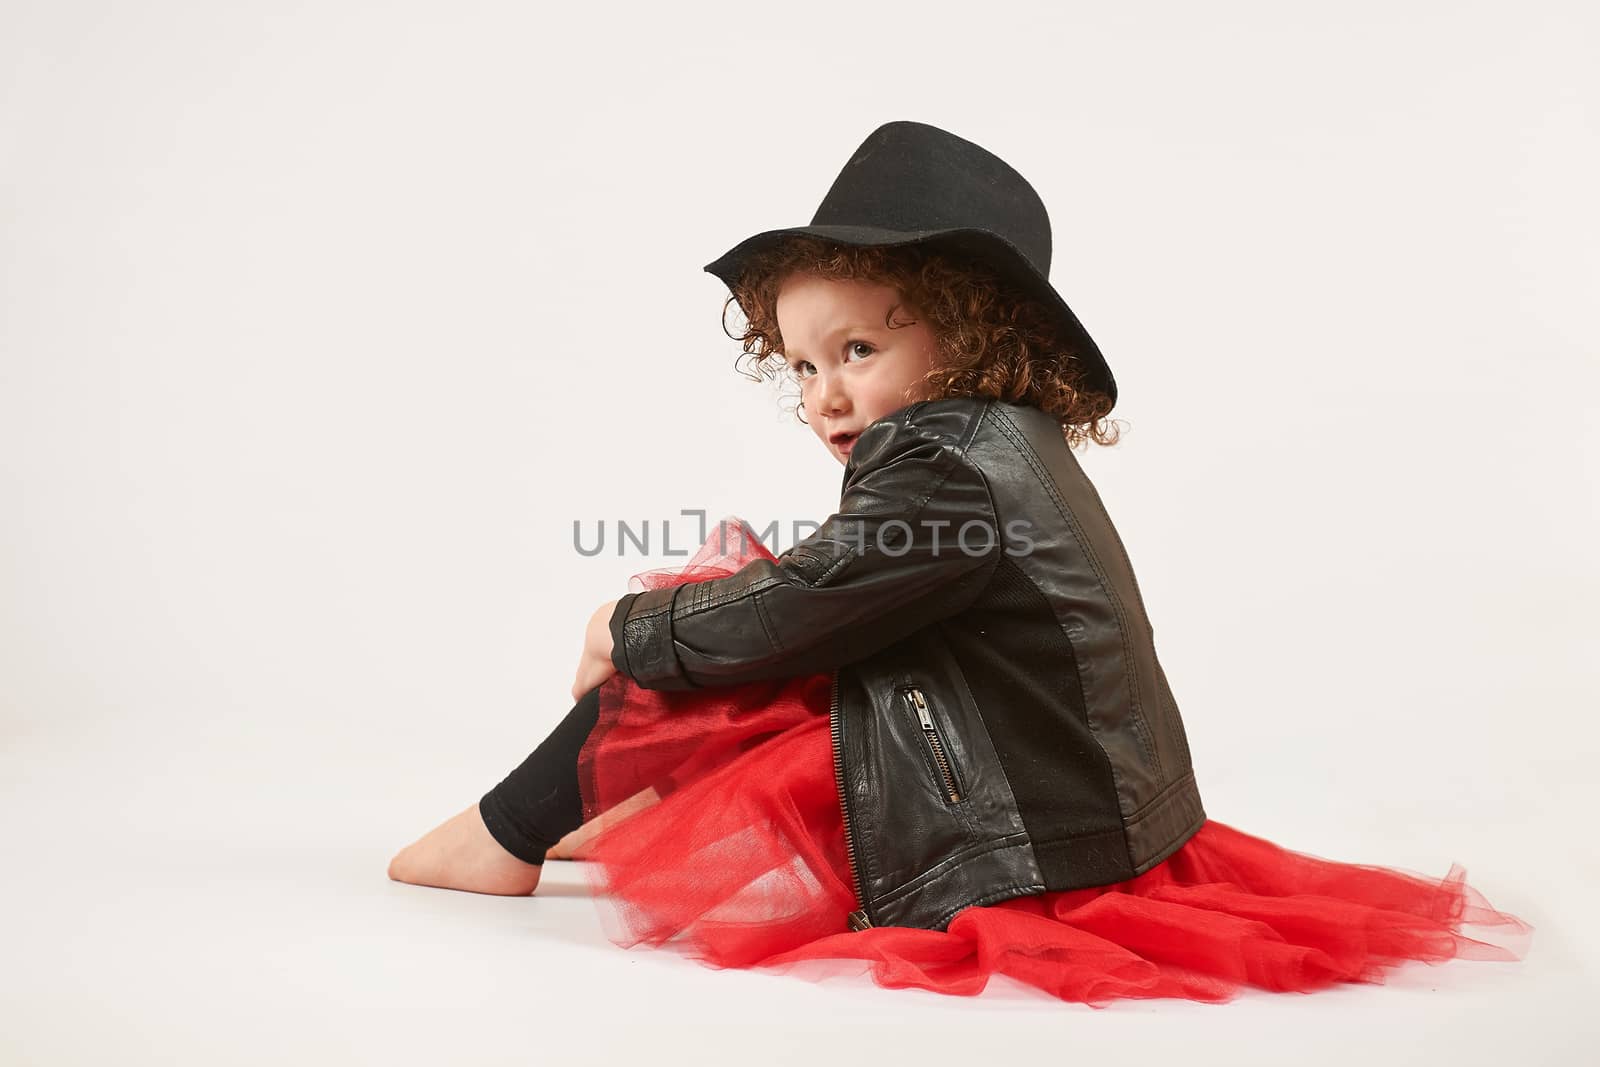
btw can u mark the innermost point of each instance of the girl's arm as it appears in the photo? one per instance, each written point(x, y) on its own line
point(888, 563)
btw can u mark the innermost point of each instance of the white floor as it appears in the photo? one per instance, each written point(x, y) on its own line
point(224, 900)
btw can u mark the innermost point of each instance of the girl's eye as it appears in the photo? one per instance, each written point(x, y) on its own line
point(803, 368)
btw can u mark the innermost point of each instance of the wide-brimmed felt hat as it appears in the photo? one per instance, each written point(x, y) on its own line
point(910, 182)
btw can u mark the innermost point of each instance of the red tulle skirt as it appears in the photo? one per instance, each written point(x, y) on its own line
point(714, 829)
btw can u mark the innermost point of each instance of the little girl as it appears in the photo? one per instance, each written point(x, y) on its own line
point(934, 738)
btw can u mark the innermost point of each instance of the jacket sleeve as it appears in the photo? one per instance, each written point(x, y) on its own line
point(891, 560)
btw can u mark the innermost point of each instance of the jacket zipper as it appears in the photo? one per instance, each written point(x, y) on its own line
point(936, 743)
point(858, 918)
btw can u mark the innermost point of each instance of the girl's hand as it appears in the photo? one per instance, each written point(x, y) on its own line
point(595, 665)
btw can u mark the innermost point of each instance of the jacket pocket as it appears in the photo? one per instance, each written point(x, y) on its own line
point(917, 701)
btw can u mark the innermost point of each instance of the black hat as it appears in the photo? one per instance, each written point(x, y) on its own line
point(911, 182)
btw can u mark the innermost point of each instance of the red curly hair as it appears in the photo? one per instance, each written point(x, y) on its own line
point(993, 340)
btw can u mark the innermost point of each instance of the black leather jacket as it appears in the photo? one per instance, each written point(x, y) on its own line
point(1001, 725)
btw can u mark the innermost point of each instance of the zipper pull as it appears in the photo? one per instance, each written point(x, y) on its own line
point(937, 745)
point(859, 920)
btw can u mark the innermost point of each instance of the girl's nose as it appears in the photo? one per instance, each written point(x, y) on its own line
point(833, 400)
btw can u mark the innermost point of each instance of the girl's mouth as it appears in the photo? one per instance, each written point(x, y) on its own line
point(846, 443)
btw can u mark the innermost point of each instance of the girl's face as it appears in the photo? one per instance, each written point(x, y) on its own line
point(852, 368)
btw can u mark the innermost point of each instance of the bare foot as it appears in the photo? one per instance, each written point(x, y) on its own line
point(460, 854)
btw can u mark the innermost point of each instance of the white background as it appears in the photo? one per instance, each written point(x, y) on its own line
point(320, 324)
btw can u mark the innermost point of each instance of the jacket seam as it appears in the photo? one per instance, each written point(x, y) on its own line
point(766, 625)
point(1160, 797)
point(1016, 889)
point(1065, 839)
point(1137, 706)
point(673, 665)
point(1179, 839)
point(664, 608)
point(727, 598)
point(948, 864)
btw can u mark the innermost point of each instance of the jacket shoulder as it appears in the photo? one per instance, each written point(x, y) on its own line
point(931, 425)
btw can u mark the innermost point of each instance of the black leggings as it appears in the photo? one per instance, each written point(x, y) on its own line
point(538, 804)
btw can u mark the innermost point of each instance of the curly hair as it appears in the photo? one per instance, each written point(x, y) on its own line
point(993, 340)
